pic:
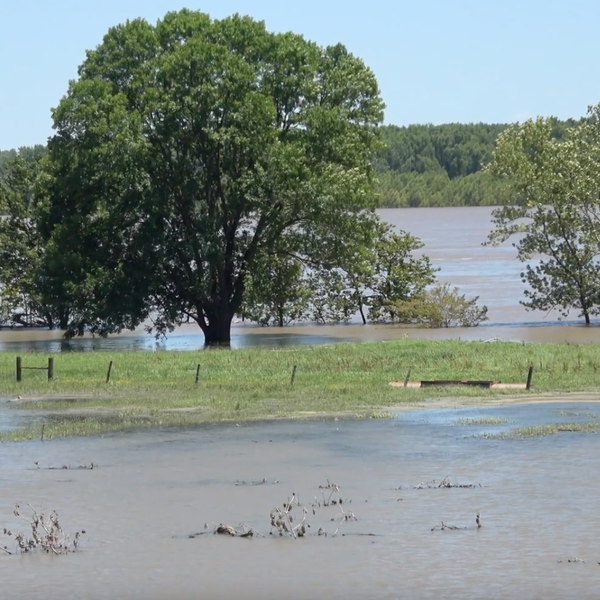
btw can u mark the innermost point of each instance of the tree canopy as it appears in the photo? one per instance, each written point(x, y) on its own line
point(189, 151)
point(556, 223)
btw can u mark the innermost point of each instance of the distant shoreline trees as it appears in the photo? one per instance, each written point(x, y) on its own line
point(421, 165)
point(443, 165)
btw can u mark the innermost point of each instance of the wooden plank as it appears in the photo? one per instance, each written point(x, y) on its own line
point(410, 384)
point(457, 382)
point(509, 386)
point(460, 382)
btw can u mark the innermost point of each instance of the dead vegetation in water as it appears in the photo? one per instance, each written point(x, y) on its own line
point(284, 521)
point(446, 527)
point(263, 481)
point(89, 467)
point(292, 518)
point(333, 488)
point(445, 483)
point(46, 534)
point(242, 531)
point(573, 559)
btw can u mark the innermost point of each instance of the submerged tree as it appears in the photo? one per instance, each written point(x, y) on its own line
point(440, 306)
point(277, 292)
point(187, 151)
point(557, 220)
point(396, 273)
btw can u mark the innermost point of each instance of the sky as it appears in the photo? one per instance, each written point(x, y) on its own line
point(436, 61)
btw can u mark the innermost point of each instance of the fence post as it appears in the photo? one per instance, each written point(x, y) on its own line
point(407, 376)
point(293, 375)
point(529, 376)
point(109, 370)
point(19, 370)
point(197, 373)
point(50, 369)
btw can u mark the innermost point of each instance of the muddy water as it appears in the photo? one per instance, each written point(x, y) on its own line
point(538, 501)
point(452, 238)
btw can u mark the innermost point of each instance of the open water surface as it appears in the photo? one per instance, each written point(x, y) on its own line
point(538, 499)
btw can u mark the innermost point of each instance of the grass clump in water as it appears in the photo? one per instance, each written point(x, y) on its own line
point(482, 421)
point(544, 430)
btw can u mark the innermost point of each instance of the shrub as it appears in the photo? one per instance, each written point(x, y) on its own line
point(441, 306)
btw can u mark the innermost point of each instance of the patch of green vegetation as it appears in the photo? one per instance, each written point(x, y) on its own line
point(481, 421)
point(382, 415)
point(150, 389)
point(568, 413)
point(544, 430)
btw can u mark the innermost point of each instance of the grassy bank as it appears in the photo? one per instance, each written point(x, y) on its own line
point(149, 389)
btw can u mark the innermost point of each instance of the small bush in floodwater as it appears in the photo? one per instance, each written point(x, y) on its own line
point(47, 534)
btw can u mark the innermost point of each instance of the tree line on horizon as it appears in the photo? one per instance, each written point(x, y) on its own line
point(419, 165)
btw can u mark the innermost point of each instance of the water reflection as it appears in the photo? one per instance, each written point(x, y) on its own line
point(190, 338)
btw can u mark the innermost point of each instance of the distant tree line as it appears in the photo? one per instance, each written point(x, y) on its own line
point(420, 165)
point(443, 165)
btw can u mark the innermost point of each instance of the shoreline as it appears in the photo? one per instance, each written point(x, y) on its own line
point(447, 403)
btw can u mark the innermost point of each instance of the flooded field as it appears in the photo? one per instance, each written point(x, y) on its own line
point(453, 240)
point(537, 497)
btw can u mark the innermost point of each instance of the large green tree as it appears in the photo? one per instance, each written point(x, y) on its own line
point(188, 151)
point(32, 292)
point(556, 222)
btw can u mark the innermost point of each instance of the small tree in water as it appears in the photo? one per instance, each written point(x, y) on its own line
point(557, 216)
point(277, 293)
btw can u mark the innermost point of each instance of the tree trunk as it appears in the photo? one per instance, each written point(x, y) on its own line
point(362, 314)
point(217, 330)
point(585, 309)
point(63, 318)
point(586, 316)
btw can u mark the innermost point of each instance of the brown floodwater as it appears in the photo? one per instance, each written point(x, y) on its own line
point(453, 240)
point(538, 499)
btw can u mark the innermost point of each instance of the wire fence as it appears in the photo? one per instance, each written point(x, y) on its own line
point(132, 369)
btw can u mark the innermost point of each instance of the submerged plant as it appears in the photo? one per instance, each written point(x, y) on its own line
point(46, 535)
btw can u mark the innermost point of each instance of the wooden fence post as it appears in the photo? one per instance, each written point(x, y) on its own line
point(109, 370)
point(50, 369)
point(407, 376)
point(197, 373)
point(293, 375)
point(529, 376)
point(19, 369)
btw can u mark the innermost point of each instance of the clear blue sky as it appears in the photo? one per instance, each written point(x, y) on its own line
point(437, 61)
